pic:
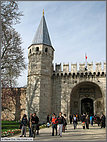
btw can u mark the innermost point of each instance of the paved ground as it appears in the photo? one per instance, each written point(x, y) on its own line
point(95, 133)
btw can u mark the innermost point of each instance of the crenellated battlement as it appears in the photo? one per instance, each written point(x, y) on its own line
point(81, 68)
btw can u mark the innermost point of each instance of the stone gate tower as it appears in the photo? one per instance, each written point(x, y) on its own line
point(40, 55)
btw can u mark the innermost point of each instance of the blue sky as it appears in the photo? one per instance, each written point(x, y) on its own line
point(75, 28)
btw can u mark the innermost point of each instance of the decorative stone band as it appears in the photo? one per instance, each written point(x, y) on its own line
point(80, 74)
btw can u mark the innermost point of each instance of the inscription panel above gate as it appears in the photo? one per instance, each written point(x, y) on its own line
point(86, 92)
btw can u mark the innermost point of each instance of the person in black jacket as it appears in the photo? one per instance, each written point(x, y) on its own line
point(24, 125)
point(35, 125)
point(75, 121)
point(61, 121)
point(103, 121)
point(98, 120)
point(65, 123)
point(71, 117)
point(87, 121)
point(48, 121)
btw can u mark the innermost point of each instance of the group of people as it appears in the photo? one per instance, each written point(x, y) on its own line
point(32, 123)
point(86, 120)
point(59, 123)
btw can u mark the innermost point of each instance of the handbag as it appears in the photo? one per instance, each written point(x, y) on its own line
point(20, 127)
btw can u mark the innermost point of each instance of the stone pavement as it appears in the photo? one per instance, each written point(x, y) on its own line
point(95, 133)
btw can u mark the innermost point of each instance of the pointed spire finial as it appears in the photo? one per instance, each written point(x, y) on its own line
point(43, 12)
point(42, 34)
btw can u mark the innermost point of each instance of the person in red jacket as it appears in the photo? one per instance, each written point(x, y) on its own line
point(54, 123)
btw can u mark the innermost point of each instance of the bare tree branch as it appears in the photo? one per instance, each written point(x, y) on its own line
point(12, 56)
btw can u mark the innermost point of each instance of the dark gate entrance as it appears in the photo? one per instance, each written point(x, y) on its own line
point(87, 106)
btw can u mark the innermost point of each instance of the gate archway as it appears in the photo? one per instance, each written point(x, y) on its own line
point(86, 94)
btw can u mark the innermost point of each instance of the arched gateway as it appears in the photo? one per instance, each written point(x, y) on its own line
point(86, 97)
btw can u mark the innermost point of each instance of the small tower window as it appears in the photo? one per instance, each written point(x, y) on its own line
point(52, 52)
point(37, 48)
point(46, 49)
point(30, 51)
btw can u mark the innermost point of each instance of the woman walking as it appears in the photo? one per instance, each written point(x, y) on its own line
point(24, 125)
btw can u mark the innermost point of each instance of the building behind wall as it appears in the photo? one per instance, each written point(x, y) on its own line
point(13, 103)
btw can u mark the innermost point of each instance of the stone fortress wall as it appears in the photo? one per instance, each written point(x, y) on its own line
point(63, 84)
point(67, 85)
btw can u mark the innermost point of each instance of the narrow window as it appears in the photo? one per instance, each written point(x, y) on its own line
point(30, 51)
point(52, 52)
point(37, 48)
point(46, 49)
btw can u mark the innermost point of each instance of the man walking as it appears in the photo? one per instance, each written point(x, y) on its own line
point(60, 120)
point(75, 121)
point(35, 125)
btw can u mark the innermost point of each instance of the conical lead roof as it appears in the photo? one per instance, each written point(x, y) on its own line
point(42, 35)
